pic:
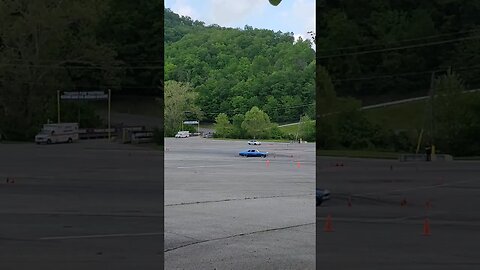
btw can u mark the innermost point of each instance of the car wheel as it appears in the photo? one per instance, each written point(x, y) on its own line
point(49, 141)
point(70, 140)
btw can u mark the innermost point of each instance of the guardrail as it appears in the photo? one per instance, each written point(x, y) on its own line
point(423, 157)
point(95, 133)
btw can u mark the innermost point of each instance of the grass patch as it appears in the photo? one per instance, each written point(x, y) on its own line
point(358, 154)
point(293, 129)
point(407, 116)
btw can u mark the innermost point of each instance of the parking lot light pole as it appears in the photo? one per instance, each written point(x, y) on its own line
point(58, 106)
point(109, 107)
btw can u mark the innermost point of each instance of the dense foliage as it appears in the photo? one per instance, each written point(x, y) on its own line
point(378, 50)
point(179, 106)
point(234, 70)
point(134, 30)
point(75, 45)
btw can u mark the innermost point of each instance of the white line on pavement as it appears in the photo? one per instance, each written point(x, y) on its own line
point(99, 236)
point(206, 166)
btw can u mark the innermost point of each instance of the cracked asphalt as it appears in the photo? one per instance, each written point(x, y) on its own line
point(223, 211)
point(379, 232)
point(88, 205)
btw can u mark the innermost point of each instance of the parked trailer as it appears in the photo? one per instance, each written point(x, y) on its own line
point(142, 137)
point(95, 133)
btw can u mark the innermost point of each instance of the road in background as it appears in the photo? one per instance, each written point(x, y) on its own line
point(223, 211)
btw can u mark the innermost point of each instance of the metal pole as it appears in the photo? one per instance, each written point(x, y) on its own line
point(432, 116)
point(109, 107)
point(58, 106)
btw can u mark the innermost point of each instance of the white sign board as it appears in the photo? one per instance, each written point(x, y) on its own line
point(92, 95)
point(190, 122)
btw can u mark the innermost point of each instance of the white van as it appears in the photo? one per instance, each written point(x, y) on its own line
point(57, 133)
point(182, 134)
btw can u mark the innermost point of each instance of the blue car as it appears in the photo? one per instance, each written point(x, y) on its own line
point(322, 195)
point(253, 153)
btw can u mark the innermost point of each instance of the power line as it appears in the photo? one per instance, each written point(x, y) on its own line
point(87, 68)
point(86, 85)
point(382, 76)
point(399, 48)
point(402, 41)
point(274, 109)
point(123, 61)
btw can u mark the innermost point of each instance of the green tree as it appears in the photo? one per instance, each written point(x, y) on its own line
point(47, 46)
point(326, 96)
point(257, 123)
point(306, 129)
point(454, 116)
point(236, 69)
point(179, 98)
point(135, 30)
point(223, 127)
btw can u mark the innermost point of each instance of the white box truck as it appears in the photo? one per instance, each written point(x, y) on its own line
point(58, 133)
point(182, 134)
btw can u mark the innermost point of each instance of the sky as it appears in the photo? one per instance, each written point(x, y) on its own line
point(297, 16)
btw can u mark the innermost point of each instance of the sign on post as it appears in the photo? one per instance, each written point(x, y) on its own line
point(86, 95)
point(190, 122)
point(91, 95)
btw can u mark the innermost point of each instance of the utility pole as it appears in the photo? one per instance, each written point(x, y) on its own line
point(58, 106)
point(432, 101)
point(109, 107)
point(428, 122)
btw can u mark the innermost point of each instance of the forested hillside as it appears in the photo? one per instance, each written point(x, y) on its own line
point(389, 48)
point(233, 70)
point(87, 45)
point(376, 51)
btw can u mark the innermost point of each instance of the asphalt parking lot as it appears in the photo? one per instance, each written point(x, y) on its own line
point(87, 205)
point(378, 230)
point(223, 211)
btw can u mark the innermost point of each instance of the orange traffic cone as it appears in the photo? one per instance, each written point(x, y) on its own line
point(328, 224)
point(426, 227)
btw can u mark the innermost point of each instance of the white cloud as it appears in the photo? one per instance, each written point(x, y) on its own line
point(182, 8)
point(304, 13)
point(227, 12)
